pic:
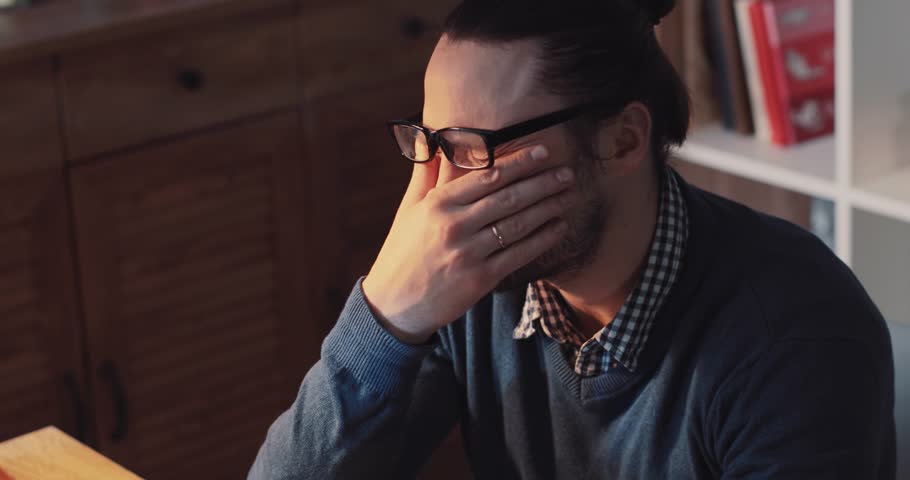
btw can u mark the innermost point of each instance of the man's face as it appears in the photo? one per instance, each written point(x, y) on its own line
point(491, 86)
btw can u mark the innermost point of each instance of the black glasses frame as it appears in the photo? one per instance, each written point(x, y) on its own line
point(494, 138)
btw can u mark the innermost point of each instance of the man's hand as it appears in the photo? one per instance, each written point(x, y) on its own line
point(441, 256)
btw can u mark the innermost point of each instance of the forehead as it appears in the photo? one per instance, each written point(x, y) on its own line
point(482, 85)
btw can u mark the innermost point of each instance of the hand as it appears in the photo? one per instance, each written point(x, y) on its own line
point(441, 257)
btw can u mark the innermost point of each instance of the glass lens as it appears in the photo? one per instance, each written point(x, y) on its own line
point(468, 149)
point(412, 142)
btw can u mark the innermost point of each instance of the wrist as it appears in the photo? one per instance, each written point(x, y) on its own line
point(410, 338)
point(405, 335)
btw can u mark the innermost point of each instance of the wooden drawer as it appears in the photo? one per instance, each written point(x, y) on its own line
point(29, 128)
point(169, 82)
point(378, 40)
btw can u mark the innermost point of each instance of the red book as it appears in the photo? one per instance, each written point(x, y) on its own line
point(800, 36)
point(766, 72)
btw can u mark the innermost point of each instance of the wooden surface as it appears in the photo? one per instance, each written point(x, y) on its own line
point(41, 374)
point(52, 26)
point(49, 454)
point(357, 183)
point(203, 289)
point(350, 44)
point(127, 93)
point(193, 289)
point(359, 178)
point(29, 127)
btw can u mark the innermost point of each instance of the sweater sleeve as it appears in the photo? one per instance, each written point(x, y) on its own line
point(808, 409)
point(371, 407)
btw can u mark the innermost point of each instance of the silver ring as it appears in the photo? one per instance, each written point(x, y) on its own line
point(498, 236)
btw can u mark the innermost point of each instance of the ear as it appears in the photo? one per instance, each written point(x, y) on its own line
point(623, 141)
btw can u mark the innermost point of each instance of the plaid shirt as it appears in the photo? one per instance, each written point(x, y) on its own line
point(622, 340)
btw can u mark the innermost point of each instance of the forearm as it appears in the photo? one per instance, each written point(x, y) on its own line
point(352, 411)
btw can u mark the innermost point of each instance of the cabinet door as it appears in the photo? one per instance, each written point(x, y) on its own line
point(41, 374)
point(360, 177)
point(193, 264)
point(359, 180)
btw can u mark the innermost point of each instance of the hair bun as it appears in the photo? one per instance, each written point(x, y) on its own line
point(658, 9)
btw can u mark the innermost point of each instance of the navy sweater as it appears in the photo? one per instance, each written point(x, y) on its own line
point(768, 360)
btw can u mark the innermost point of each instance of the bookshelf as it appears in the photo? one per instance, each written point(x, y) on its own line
point(805, 168)
point(864, 168)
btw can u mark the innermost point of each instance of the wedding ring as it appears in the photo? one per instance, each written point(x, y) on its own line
point(498, 236)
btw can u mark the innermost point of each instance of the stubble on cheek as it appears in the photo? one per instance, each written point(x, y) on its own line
point(574, 251)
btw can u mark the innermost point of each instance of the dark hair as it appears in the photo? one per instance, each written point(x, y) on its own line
point(591, 50)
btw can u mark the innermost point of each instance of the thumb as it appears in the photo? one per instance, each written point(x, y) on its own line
point(423, 179)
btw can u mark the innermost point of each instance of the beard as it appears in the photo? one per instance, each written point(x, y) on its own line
point(577, 248)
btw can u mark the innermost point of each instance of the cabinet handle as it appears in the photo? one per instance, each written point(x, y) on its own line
point(121, 409)
point(191, 80)
point(69, 382)
point(413, 27)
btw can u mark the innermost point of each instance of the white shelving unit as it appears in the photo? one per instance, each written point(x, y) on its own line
point(865, 167)
point(807, 168)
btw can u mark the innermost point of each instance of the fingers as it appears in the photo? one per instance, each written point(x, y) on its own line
point(519, 254)
point(516, 197)
point(448, 173)
point(518, 226)
point(477, 184)
point(423, 179)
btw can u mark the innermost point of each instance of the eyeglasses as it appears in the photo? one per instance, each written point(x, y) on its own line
point(473, 148)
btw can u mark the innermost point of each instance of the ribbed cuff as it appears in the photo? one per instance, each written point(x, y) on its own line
point(361, 345)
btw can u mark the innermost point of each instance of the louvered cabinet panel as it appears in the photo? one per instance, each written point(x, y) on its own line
point(360, 179)
point(41, 374)
point(362, 176)
point(196, 294)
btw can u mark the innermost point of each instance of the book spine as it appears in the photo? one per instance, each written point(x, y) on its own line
point(741, 108)
point(750, 63)
point(801, 33)
point(768, 82)
point(778, 73)
point(719, 56)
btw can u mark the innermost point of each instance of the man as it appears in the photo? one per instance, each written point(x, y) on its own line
point(612, 323)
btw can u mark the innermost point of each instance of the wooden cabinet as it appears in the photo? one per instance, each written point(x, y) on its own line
point(29, 123)
point(41, 373)
point(123, 93)
point(361, 176)
point(193, 269)
point(350, 44)
point(186, 200)
point(360, 179)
